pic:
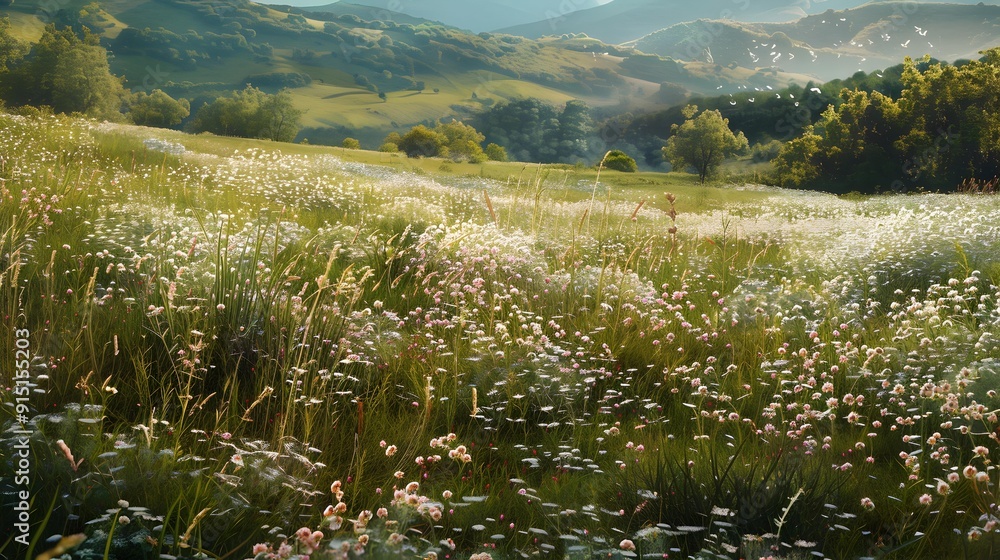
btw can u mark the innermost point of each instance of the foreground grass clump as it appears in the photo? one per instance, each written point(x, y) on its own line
point(239, 352)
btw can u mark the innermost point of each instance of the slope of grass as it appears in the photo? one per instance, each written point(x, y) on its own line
point(213, 48)
point(318, 350)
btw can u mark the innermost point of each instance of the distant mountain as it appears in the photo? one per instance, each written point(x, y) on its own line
point(367, 13)
point(482, 15)
point(836, 43)
point(627, 20)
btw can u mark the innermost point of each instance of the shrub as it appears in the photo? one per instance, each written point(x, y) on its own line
point(620, 161)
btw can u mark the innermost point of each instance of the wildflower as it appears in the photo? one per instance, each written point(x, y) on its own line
point(124, 520)
point(626, 544)
point(943, 488)
point(446, 494)
point(261, 548)
point(68, 454)
point(390, 451)
point(925, 500)
point(980, 451)
point(394, 539)
point(953, 477)
point(382, 513)
point(237, 459)
point(868, 504)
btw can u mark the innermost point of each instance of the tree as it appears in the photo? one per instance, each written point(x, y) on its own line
point(69, 74)
point(421, 141)
point(495, 152)
point(280, 120)
point(250, 113)
point(794, 164)
point(12, 50)
point(388, 147)
point(703, 142)
point(575, 126)
point(620, 161)
point(393, 138)
point(158, 109)
point(462, 141)
point(351, 144)
point(526, 127)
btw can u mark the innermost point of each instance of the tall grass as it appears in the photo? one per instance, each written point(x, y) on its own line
point(249, 352)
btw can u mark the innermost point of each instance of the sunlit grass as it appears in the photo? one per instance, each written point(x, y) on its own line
point(508, 359)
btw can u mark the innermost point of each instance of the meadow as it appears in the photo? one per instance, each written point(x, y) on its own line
point(239, 349)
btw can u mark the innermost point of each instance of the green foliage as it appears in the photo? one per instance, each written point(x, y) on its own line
point(389, 148)
point(421, 141)
point(765, 151)
point(279, 80)
point(12, 49)
point(620, 161)
point(462, 140)
point(69, 74)
point(703, 142)
point(250, 113)
point(794, 162)
point(351, 144)
point(495, 152)
point(940, 131)
point(575, 128)
point(535, 131)
point(157, 109)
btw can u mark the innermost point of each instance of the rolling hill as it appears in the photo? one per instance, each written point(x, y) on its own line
point(364, 78)
point(479, 16)
point(627, 20)
point(836, 43)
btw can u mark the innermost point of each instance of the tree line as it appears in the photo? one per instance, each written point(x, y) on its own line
point(67, 71)
point(940, 131)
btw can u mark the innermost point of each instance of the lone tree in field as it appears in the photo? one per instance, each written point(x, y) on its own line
point(703, 142)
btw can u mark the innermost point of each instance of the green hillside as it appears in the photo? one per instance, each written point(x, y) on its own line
point(834, 44)
point(337, 64)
